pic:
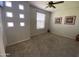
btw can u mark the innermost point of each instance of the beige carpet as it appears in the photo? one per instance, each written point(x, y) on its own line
point(45, 45)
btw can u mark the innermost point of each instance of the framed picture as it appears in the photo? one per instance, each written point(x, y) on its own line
point(70, 20)
point(58, 20)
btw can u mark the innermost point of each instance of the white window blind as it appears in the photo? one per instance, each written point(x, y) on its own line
point(40, 20)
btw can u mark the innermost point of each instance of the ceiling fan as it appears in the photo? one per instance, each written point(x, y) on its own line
point(51, 4)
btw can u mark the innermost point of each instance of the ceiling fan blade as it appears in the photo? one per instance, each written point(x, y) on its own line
point(53, 6)
point(58, 2)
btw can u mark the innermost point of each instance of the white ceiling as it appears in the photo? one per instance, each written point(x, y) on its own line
point(66, 4)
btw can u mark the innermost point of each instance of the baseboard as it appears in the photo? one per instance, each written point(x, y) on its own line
point(3, 55)
point(62, 35)
point(37, 34)
point(18, 42)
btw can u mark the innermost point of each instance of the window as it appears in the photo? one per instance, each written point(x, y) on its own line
point(10, 24)
point(40, 20)
point(22, 24)
point(8, 4)
point(1, 4)
point(21, 7)
point(21, 15)
point(9, 14)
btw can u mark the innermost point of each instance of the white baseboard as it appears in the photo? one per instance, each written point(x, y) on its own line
point(38, 33)
point(3, 55)
point(62, 35)
point(18, 41)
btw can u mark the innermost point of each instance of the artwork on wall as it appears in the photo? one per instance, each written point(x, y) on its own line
point(70, 20)
point(58, 20)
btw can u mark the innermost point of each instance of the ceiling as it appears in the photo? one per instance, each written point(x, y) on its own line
point(65, 5)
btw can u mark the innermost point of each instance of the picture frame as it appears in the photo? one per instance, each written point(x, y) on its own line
point(70, 20)
point(58, 20)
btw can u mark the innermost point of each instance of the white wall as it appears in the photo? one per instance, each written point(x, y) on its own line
point(2, 49)
point(17, 33)
point(33, 29)
point(69, 31)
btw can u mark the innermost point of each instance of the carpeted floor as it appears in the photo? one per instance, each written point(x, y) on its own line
point(45, 45)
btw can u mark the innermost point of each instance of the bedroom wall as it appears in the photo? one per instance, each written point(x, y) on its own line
point(70, 31)
point(33, 29)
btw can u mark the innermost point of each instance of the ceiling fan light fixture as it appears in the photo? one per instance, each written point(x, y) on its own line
point(51, 3)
